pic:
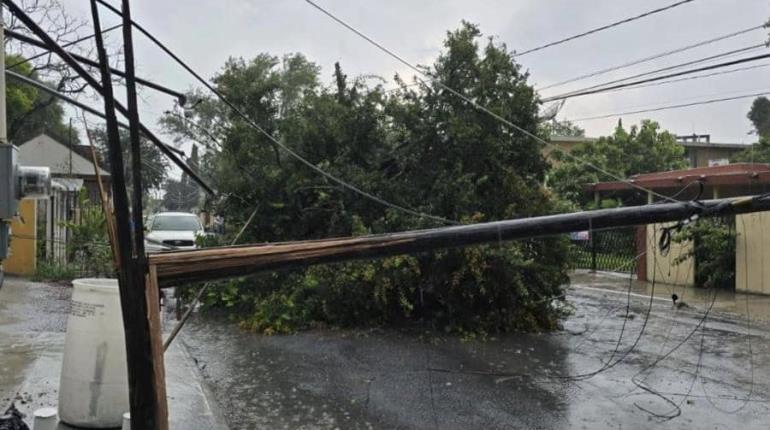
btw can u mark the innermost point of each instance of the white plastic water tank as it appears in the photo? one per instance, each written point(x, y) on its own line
point(93, 390)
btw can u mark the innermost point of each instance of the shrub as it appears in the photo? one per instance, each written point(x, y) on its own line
point(713, 250)
point(53, 272)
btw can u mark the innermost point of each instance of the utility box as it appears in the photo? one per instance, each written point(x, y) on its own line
point(17, 182)
point(9, 173)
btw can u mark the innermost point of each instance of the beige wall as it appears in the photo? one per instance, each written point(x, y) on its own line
point(662, 268)
point(752, 252)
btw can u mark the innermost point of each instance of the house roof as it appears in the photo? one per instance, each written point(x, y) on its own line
point(735, 146)
point(575, 139)
point(46, 151)
point(729, 174)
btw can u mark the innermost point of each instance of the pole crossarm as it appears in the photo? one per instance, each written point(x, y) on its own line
point(43, 87)
point(219, 263)
point(51, 44)
point(181, 97)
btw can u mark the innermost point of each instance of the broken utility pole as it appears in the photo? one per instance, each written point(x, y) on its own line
point(177, 267)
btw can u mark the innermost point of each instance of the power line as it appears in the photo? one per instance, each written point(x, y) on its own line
point(652, 57)
point(270, 137)
point(478, 106)
point(677, 106)
point(602, 28)
point(658, 78)
point(74, 42)
point(708, 75)
point(41, 86)
point(667, 68)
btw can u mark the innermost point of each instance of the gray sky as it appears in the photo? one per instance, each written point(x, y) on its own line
point(207, 32)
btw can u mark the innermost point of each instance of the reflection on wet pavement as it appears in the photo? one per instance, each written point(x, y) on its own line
point(415, 379)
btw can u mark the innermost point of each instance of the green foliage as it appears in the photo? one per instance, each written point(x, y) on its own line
point(183, 195)
point(758, 152)
point(154, 164)
point(642, 149)
point(760, 116)
point(51, 271)
point(713, 251)
point(88, 246)
point(562, 128)
point(417, 146)
point(31, 112)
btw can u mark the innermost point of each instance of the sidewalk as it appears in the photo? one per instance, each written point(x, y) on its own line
point(33, 319)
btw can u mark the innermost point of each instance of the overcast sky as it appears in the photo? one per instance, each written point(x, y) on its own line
point(207, 32)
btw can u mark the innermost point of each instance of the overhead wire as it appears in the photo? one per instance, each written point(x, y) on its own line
point(68, 44)
point(652, 57)
point(606, 87)
point(253, 124)
point(658, 71)
point(602, 28)
point(748, 397)
point(474, 104)
point(690, 78)
point(669, 107)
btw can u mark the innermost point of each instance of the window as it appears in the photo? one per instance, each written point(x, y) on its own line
point(175, 223)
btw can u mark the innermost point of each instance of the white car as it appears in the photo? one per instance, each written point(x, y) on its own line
point(168, 231)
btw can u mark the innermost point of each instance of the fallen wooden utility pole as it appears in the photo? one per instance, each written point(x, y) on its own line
point(177, 267)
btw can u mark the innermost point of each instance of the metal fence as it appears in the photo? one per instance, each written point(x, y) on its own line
point(607, 250)
point(77, 249)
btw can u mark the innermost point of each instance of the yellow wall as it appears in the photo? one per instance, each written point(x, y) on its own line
point(662, 268)
point(751, 245)
point(23, 252)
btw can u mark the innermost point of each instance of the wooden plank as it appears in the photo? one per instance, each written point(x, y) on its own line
point(217, 263)
point(152, 294)
point(109, 215)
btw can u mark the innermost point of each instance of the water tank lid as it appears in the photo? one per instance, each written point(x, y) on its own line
point(45, 413)
point(97, 285)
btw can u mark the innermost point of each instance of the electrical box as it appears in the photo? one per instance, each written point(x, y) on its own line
point(17, 182)
point(9, 174)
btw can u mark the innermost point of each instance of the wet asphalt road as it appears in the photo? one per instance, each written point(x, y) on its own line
point(412, 379)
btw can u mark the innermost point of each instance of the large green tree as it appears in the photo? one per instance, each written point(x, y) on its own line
point(184, 194)
point(760, 116)
point(418, 147)
point(759, 152)
point(642, 149)
point(154, 164)
point(30, 111)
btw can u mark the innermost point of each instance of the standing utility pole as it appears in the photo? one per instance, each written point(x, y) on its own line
point(7, 166)
point(143, 372)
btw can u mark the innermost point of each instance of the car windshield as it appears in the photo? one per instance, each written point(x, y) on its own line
point(176, 223)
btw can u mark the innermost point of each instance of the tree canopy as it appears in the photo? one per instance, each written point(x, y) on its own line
point(758, 152)
point(760, 116)
point(154, 164)
point(418, 147)
point(31, 112)
point(642, 149)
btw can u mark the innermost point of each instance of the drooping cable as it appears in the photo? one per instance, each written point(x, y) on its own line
point(476, 105)
point(669, 107)
point(602, 28)
point(652, 57)
point(66, 45)
point(273, 139)
point(601, 88)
